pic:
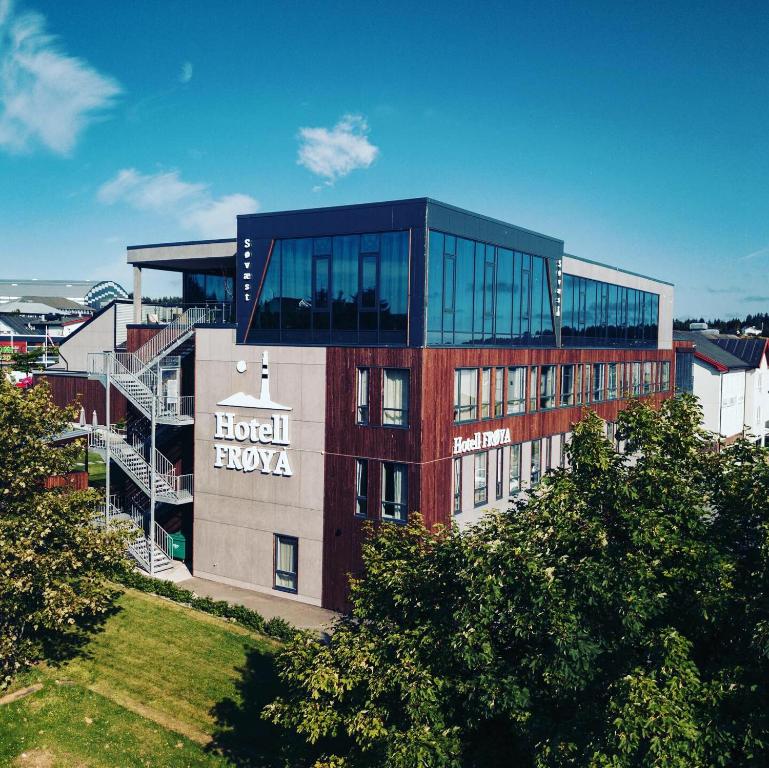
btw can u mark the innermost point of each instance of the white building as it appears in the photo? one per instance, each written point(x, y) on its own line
point(731, 379)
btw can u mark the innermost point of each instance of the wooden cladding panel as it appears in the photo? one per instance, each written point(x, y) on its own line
point(140, 334)
point(426, 447)
point(74, 481)
point(88, 393)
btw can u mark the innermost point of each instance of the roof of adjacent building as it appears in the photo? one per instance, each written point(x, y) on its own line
point(46, 287)
point(749, 350)
point(42, 305)
point(17, 323)
point(714, 354)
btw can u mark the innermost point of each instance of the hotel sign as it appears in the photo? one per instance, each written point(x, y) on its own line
point(481, 440)
point(262, 443)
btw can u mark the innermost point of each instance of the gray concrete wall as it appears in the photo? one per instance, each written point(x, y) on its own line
point(238, 513)
point(97, 335)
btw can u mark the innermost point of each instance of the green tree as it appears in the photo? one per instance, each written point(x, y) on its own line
point(53, 559)
point(25, 361)
point(618, 617)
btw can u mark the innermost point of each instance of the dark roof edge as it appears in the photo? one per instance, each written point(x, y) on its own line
point(619, 269)
point(182, 242)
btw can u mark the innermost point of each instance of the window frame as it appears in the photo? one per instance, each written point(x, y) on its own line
point(499, 482)
point(532, 482)
point(566, 397)
point(361, 499)
point(294, 541)
point(533, 388)
point(548, 396)
point(612, 389)
point(598, 389)
point(363, 372)
point(401, 505)
point(458, 407)
point(479, 501)
point(514, 488)
point(499, 392)
point(520, 401)
point(403, 411)
point(485, 394)
point(457, 483)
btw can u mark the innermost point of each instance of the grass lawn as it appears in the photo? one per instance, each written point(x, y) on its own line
point(162, 685)
point(96, 469)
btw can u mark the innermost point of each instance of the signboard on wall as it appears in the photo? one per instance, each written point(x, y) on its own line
point(481, 440)
point(248, 445)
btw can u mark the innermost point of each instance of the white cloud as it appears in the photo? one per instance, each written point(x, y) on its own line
point(46, 97)
point(333, 153)
point(190, 204)
point(186, 74)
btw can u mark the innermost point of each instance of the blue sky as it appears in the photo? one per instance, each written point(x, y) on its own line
point(637, 132)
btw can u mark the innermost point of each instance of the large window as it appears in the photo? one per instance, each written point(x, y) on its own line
point(515, 469)
point(361, 487)
point(533, 387)
point(636, 379)
point(612, 385)
point(536, 462)
point(499, 477)
point(481, 478)
point(516, 389)
point(598, 373)
point(394, 492)
point(485, 393)
point(647, 378)
point(547, 387)
point(362, 413)
point(602, 314)
point(499, 392)
point(480, 293)
point(395, 397)
point(665, 375)
point(351, 289)
point(465, 394)
point(211, 288)
point(286, 563)
point(457, 466)
point(567, 385)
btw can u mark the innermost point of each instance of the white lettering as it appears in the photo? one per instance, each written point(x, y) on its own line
point(266, 458)
point(242, 431)
point(250, 459)
point(282, 466)
point(224, 422)
point(247, 242)
point(233, 460)
point(220, 451)
point(480, 440)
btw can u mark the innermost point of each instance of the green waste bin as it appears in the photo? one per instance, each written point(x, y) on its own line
point(178, 545)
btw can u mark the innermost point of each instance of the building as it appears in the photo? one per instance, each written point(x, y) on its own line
point(92, 293)
point(729, 376)
point(342, 365)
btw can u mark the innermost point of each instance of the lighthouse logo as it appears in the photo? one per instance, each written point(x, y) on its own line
point(242, 400)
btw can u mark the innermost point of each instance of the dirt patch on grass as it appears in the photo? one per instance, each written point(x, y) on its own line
point(21, 693)
point(161, 718)
point(35, 758)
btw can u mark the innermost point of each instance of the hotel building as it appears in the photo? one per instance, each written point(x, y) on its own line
point(342, 365)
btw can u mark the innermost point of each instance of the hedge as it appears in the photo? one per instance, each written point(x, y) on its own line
point(274, 627)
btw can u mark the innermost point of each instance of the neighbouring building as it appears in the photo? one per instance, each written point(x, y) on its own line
point(355, 364)
point(729, 376)
point(91, 293)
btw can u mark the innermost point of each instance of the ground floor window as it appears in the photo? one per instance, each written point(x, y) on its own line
point(515, 469)
point(394, 492)
point(481, 478)
point(361, 487)
point(536, 462)
point(498, 479)
point(286, 562)
point(457, 486)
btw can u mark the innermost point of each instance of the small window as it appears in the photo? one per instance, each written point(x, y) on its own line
point(516, 389)
point(611, 432)
point(567, 385)
point(578, 385)
point(564, 443)
point(536, 462)
point(286, 563)
point(481, 478)
point(457, 486)
point(394, 492)
point(361, 487)
point(362, 409)
point(547, 453)
point(598, 369)
point(499, 480)
point(636, 379)
point(515, 469)
point(395, 399)
point(547, 387)
point(485, 393)
point(533, 388)
point(465, 394)
point(647, 380)
point(499, 392)
point(665, 376)
point(612, 388)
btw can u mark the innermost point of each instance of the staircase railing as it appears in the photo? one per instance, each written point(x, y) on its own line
point(171, 333)
point(169, 486)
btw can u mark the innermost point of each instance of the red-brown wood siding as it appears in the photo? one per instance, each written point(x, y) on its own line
point(88, 393)
point(75, 481)
point(136, 335)
point(426, 447)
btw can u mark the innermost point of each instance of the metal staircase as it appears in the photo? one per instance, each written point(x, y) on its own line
point(140, 546)
point(140, 377)
point(169, 486)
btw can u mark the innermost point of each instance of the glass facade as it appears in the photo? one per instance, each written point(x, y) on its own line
point(348, 289)
point(597, 314)
point(483, 294)
point(204, 288)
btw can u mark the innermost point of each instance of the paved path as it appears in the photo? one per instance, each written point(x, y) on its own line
point(296, 613)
